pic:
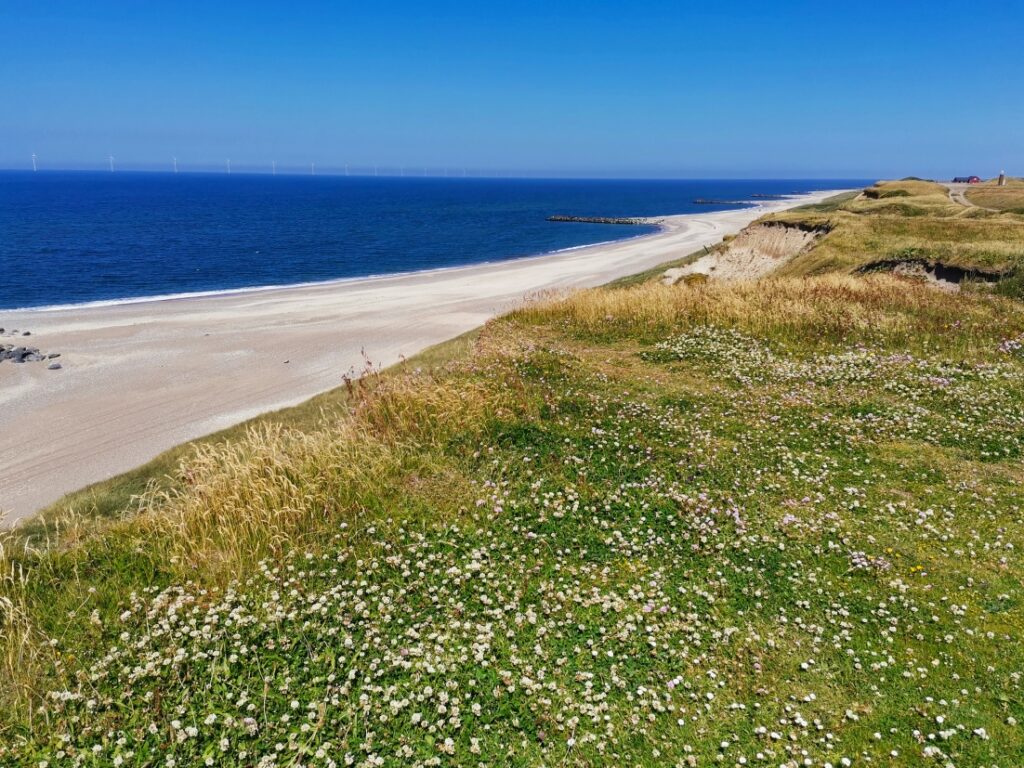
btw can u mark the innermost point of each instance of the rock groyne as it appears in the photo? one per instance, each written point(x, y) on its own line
point(603, 220)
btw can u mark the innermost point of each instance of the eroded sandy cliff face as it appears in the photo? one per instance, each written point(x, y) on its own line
point(755, 251)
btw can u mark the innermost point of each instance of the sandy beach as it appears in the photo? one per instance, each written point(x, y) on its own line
point(139, 378)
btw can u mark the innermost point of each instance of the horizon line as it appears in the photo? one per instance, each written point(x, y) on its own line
point(397, 174)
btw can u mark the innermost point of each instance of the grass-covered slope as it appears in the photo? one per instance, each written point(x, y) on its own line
point(773, 523)
point(111, 498)
point(908, 220)
point(1006, 198)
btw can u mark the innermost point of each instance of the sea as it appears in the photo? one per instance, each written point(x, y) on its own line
point(81, 237)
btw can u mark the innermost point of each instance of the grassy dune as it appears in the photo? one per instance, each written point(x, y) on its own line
point(908, 220)
point(1008, 198)
point(111, 498)
point(643, 525)
point(771, 523)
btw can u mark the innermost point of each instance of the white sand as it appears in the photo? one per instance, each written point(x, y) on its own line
point(139, 378)
point(756, 252)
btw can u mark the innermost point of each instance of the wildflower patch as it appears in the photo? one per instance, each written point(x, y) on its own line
point(733, 549)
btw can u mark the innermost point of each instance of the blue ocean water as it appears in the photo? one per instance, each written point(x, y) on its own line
point(68, 238)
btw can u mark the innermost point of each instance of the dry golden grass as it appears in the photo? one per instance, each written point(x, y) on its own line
point(879, 309)
point(924, 196)
point(22, 648)
point(1011, 181)
point(993, 244)
point(908, 220)
point(254, 495)
point(109, 498)
point(1008, 198)
point(276, 488)
point(909, 187)
point(237, 501)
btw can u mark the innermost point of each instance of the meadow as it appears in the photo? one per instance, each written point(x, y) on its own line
point(1006, 198)
point(909, 220)
point(771, 523)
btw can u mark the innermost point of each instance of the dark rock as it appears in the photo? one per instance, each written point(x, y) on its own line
point(54, 366)
point(22, 354)
point(600, 220)
point(27, 333)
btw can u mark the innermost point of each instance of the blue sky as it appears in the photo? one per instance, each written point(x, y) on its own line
point(676, 89)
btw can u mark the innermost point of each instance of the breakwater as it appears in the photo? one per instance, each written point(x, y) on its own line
point(603, 220)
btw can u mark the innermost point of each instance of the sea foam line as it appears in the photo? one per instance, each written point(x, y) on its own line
point(99, 303)
point(130, 300)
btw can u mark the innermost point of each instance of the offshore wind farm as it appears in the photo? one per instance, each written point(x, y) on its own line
point(178, 164)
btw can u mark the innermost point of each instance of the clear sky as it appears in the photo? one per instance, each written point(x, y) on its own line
point(590, 88)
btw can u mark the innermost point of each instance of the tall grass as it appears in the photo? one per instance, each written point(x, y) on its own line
point(876, 309)
point(21, 647)
point(278, 488)
point(233, 503)
point(561, 473)
point(893, 218)
point(1008, 198)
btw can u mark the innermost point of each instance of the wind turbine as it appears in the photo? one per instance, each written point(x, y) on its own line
point(312, 169)
point(273, 167)
point(34, 168)
point(110, 159)
point(375, 170)
point(229, 166)
point(175, 164)
point(346, 169)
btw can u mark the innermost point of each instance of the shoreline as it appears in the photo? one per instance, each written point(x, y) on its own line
point(218, 292)
point(141, 377)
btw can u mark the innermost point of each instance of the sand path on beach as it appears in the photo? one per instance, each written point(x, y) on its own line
point(139, 378)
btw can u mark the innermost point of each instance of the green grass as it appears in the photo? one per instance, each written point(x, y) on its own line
point(655, 273)
point(646, 525)
point(636, 526)
point(911, 216)
point(834, 203)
